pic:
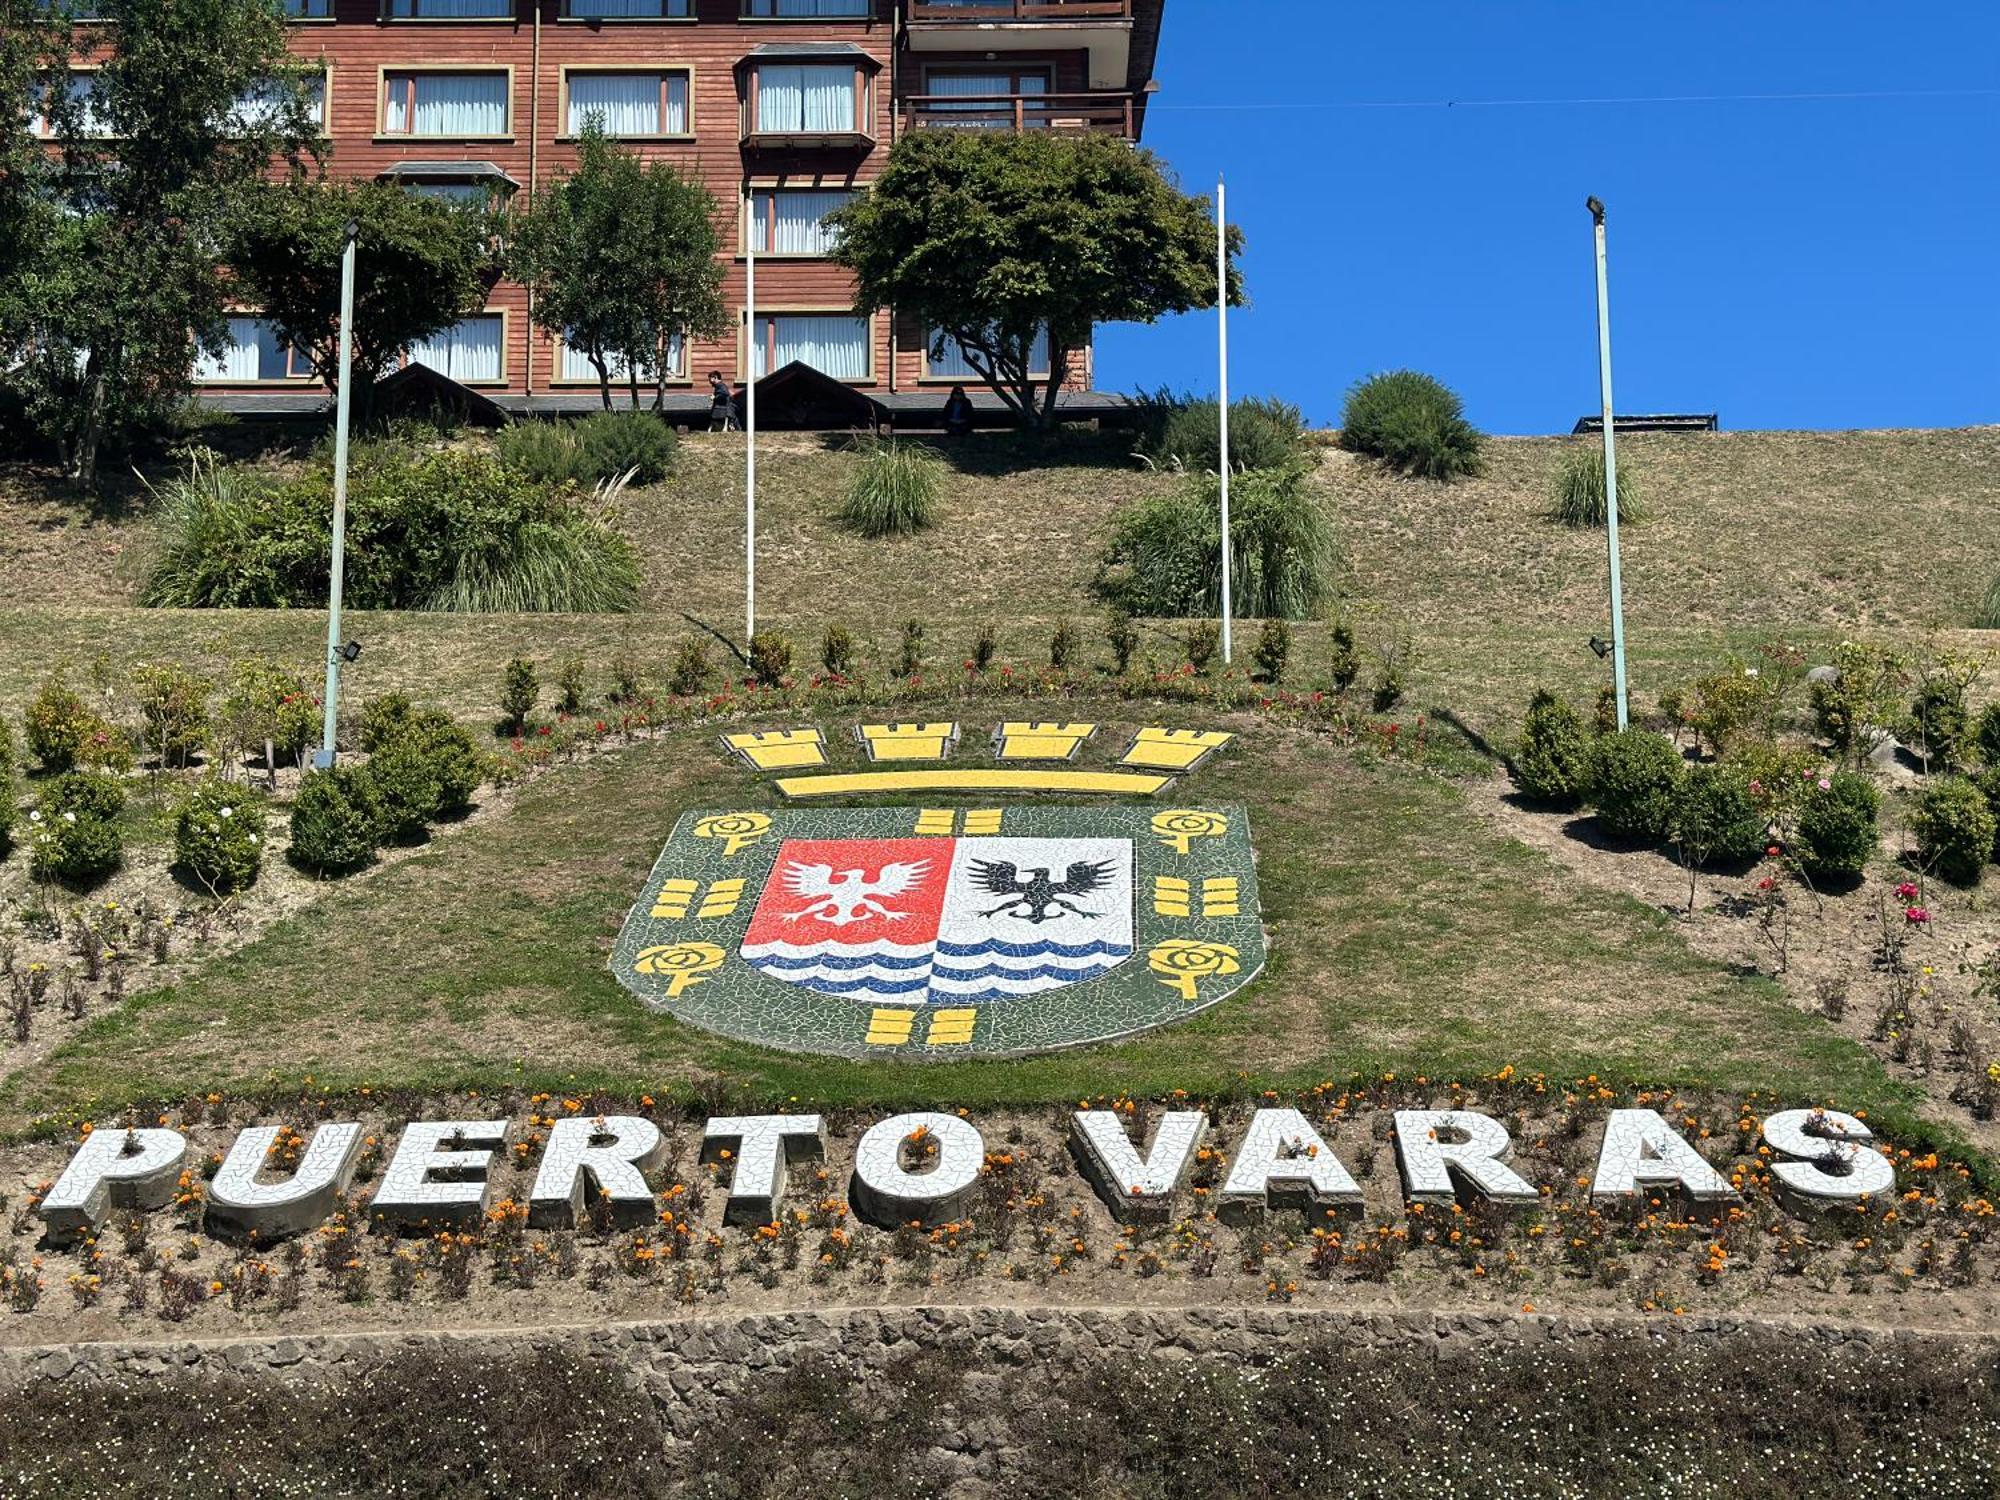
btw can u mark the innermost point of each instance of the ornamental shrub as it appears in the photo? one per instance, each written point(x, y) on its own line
point(619, 442)
point(1413, 424)
point(1938, 721)
point(546, 452)
point(569, 685)
point(1344, 664)
point(836, 651)
point(770, 657)
point(1633, 777)
point(519, 689)
point(985, 645)
point(174, 704)
point(1180, 432)
point(1835, 833)
point(267, 701)
point(1954, 829)
point(1164, 556)
point(425, 768)
point(1553, 763)
point(1986, 735)
point(910, 652)
point(336, 823)
point(75, 828)
point(219, 835)
point(1577, 496)
point(1202, 640)
point(1123, 638)
point(383, 719)
point(691, 669)
point(1713, 818)
point(1274, 648)
point(58, 723)
point(1063, 646)
point(895, 491)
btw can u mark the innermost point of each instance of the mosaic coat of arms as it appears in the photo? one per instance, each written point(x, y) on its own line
point(932, 933)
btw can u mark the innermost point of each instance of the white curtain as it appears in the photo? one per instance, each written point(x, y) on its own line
point(628, 103)
point(254, 353)
point(805, 98)
point(835, 344)
point(953, 365)
point(576, 363)
point(990, 113)
point(447, 104)
point(468, 351)
point(786, 221)
point(437, 9)
point(645, 10)
point(762, 8)
point(260, 103)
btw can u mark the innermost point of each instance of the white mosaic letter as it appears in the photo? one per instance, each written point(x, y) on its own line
point(1643, 1154)
point(238, 1201)
point(1831, 1163)
point(886, 1193)
point(1435, 1168)
point(113, 1168)
point(425, 1184)
point(614, 1152)
point(762, 1146)
point(1283, 1163)
point(1136, 1188)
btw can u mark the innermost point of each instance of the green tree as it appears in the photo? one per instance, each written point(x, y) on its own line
point(988, 238)
point(117, 227)
point(420, 266)
point(621, 259)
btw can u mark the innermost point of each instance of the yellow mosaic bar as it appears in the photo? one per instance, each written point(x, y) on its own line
point(1024, 741)
point(867, 783)
point(721, 898)
point(982, 820)
point(950, 1028)
point(894, 742)
point(778, 749)
point(1221, 897)
point(1172, 896)
point(937, 820)
point(675, 897)
point(889, 1026)
point(1173, 749)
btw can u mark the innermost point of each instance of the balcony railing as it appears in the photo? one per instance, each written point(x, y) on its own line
point(1102, 111)
point(1020, 10)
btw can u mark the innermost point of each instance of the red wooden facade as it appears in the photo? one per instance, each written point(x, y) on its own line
point(394, 78)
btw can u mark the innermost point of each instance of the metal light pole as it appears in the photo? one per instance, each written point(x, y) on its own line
point(1222, 351)
point(334, 654)
point(1596, 207)
point(751, 347)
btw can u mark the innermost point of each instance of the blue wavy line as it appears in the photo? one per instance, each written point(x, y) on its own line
point(862, 986)
point(1033, 950)
point(1046, 971)
point(839, 961)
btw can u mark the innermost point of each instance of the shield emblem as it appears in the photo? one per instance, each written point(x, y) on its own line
point(942, 932)
point(943, 920)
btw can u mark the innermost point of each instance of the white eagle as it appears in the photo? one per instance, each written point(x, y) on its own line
point(844, 896)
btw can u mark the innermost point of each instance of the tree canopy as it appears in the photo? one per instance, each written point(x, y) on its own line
point(421, 265)
point(621, 259)
point(989, 237)
point(111, 229)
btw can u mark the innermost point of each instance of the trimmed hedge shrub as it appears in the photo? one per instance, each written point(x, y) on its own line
point(219, 835)
point(1938, 721)
point(75, 828)
point(1835, 835)
point(425, 768)
point(1553, 764)
point(1986, 735)
point(1954, 829)
point(519, 690)
point(1413, 424)
point(770, 657)
point(58, 724)
point(1633, 776)
point(383, 719)
point(1274, 649)
point(1714, 819)
point(336, 822)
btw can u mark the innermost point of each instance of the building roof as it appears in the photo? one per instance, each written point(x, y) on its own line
point(1698, 421)
point(808, 51)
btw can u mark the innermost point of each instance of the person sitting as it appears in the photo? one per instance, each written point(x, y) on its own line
point(957, 412)
point(721, 404)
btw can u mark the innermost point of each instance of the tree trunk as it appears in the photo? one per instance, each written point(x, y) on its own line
point(603, 377)
point(90, 426)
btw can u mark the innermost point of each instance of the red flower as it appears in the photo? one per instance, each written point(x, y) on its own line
point(1906, 892)
point(1916, 916)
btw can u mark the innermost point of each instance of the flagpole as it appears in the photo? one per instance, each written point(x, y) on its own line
point(752, 347)
point(335, 656)
point(1596, 208)
point(1222, 342)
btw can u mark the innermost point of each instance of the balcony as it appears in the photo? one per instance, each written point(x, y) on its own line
point(1111, 32)
point(1115, 112)
point(990, 12)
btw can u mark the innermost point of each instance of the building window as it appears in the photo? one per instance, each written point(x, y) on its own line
point(806, 99)
point(835, 344)
point(445, 104)
point(255, 352)
point(946, 360)
point(468, 351)
point(628, 104)
point(791, 221)
point(265, 103)
point(477, 194)
point(629, 10)
point(576, 365)
point(91, 121)
point(763, 10)
point(988, 100)
point(451, 10)
point(309, 10)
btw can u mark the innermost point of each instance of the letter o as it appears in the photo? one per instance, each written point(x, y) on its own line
point(890, 1195)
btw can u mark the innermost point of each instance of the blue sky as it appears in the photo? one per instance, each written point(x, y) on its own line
point(1821, 262)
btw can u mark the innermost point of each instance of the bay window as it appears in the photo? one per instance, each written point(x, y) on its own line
point(255, 352)
point(450, 105)
point(627, 104)
point(791, 221)
point(835, 344)
point(806, 99)
point(468, 351)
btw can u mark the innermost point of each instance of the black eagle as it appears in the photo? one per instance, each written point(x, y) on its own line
point(1031, 900)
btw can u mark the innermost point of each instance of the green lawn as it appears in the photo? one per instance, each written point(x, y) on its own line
point(1405, 936)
